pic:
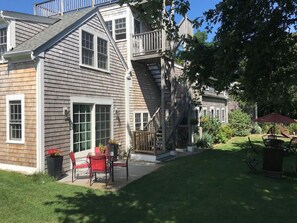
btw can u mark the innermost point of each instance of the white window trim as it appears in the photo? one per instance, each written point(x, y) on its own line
point(223, 119)
point(19, 97)
point(141, 117)
point(199, 114)
point(113, 26)
point(219, 116)
point(95, 34)
point(204, 110)
point(94, 102)
point(10, 35)
point(212, 114)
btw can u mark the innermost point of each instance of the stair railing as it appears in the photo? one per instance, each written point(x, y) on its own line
point(155, 122)
point(178, 112)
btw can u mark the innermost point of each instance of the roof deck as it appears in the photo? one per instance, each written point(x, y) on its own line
point(59, 7)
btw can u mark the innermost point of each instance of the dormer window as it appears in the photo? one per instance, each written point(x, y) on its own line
point(117, 28)
point(120, 28)
point(3, 41)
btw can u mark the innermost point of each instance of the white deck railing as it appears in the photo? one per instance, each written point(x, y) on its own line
point(147, 43)
point(59, 7)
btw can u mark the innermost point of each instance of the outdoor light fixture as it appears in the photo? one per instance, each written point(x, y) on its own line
point(66, 113)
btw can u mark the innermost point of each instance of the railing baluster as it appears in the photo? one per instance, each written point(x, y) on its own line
point(62, 7)
point(146, 43)
point(56, 7)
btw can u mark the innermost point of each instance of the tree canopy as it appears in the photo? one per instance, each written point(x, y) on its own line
point(253, 54)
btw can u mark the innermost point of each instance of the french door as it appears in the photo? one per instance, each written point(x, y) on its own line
point(91, 126)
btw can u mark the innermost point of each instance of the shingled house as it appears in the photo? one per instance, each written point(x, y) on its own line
point(73, 76)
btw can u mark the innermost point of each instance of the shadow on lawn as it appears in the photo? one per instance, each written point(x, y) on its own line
point(207, 187)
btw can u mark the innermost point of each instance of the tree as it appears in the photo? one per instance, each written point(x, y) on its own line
point(253, 54)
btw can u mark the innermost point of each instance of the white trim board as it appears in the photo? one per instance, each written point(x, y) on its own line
point(20, 169)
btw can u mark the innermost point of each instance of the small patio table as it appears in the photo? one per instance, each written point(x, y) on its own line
point(110, 161)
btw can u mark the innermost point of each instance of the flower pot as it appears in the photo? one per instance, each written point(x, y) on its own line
point(115, 149)
point(54, 166)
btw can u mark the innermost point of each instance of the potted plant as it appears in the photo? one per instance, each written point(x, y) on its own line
point(113, 147)
point(102, 148)
point(54, 162)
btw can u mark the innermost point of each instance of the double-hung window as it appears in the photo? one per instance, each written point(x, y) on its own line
point(218, 114)
point(204, 112)
point(140, 120)
point(102, 53)
point(15, 118)
point(120, 29)
point(94, 50)
point(87, 48)
point(3, 41)
point(223, 115)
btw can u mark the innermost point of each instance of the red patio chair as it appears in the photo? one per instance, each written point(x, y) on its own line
point(76, 166)
point(98, 165)
point(124, 163)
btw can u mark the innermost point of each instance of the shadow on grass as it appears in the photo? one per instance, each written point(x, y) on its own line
point(213, 186)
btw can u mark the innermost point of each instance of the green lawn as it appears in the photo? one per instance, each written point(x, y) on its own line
point(214, 186)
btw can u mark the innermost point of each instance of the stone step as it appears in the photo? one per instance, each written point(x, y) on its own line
point(166, 158)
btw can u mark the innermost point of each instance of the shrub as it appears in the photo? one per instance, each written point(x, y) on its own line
point(256, 129)
point(205, 141)
point(240, 123)
point(224, 134)
point(292, 128)
point(210, 125)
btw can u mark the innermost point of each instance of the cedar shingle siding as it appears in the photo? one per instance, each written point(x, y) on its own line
point(19, 78)
point(64, 78)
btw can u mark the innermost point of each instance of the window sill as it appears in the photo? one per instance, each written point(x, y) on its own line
point(15, 142)
point(94, 68)
point(120, 40)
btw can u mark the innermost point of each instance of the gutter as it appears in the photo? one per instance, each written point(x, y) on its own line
point(26, 54)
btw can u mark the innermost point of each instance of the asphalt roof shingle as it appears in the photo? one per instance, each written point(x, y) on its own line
point(52, 31)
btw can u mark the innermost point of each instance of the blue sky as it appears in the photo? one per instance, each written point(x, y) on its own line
point(26, 6)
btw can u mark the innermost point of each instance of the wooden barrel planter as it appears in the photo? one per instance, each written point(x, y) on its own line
point(273, 161)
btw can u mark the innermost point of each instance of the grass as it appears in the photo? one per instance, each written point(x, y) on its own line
point(214, 186)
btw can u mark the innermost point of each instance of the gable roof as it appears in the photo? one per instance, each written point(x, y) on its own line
point(64, 24)
point(55, 32)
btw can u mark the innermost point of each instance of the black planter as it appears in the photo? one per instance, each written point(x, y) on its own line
point(115, 149)
point(54, 166)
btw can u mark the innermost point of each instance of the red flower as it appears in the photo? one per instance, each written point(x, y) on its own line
point(54, 152)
